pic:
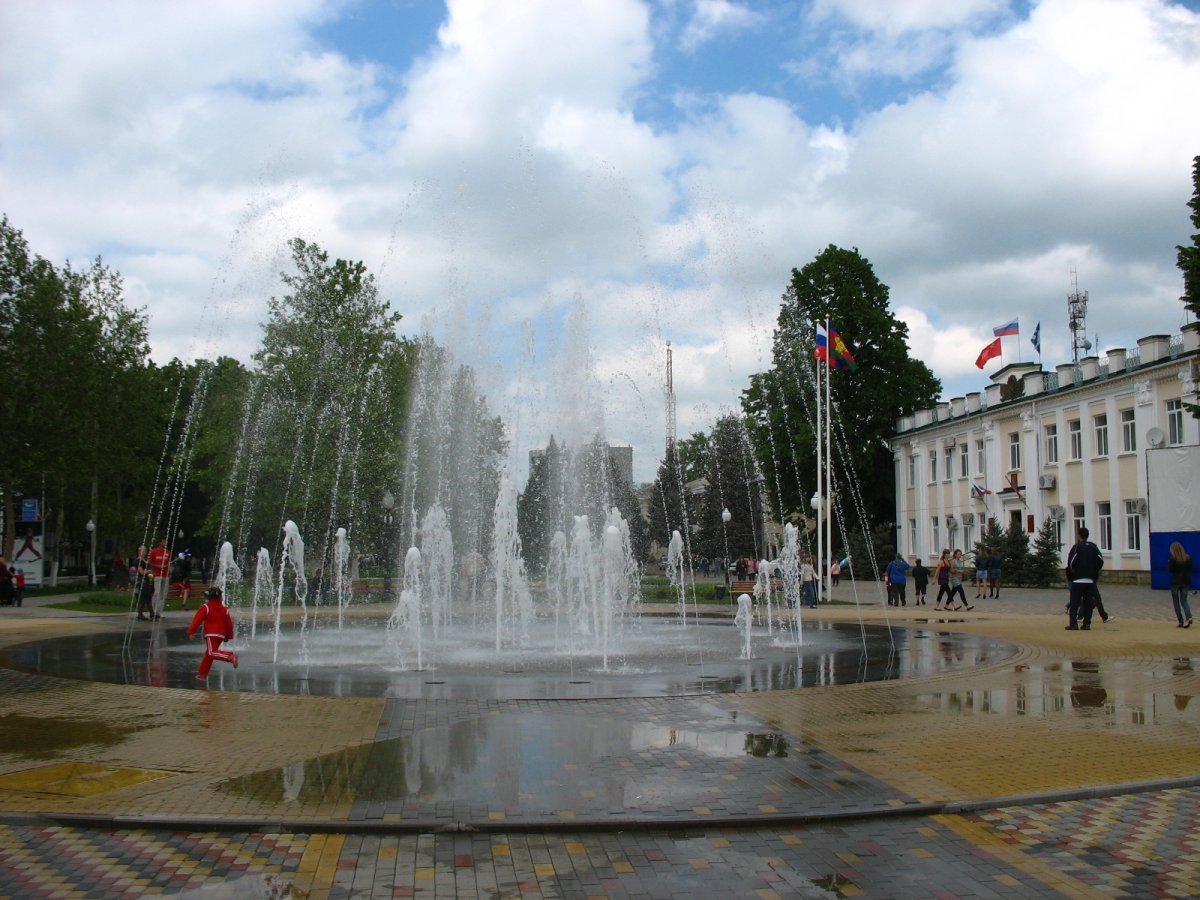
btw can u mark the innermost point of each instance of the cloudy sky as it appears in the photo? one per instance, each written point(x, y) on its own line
point(652, 170)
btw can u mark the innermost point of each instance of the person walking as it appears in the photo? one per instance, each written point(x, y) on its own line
point(1084, 563)
point(808, 582)
point(958, 571)
point(897, 572)
point(143, 584)
point(214, 618)
point(160, 568)
point(1179, 564)
point(920, 577)
point(981, 572)
point(941, 575)
point(994, 562)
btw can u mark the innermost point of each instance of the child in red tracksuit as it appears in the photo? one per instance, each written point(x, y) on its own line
point(218, 628)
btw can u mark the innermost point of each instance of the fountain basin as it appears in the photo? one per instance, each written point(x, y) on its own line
point(655, 659)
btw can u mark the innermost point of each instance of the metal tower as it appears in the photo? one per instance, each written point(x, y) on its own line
point(670, 403)
point(1076, 318)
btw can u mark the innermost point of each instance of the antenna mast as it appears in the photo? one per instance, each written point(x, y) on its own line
point(1076, 317)
point(670, 403)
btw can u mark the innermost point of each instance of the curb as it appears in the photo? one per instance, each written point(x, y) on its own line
point(334, 826)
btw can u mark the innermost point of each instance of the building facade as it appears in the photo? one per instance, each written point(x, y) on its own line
point(1071, 445)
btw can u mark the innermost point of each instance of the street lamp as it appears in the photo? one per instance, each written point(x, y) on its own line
point(389, 504)
point(726, 516)
point(91, 530)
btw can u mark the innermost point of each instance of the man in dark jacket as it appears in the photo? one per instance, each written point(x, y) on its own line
point(1084, 563)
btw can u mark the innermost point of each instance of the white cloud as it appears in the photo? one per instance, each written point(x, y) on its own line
point(711, 18)
point(507, 170)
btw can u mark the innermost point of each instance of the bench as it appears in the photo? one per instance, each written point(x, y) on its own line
point(738, 588)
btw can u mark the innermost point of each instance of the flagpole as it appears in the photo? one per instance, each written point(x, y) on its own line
point(821, 364)
point(825, 581)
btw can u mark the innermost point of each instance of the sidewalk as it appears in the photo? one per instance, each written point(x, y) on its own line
point(881, 788)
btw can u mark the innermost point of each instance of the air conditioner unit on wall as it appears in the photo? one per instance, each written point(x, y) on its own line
point(951, 522)
point(1139, 506)
point(968, 518)
point(1047, 482)
point(1058, 513)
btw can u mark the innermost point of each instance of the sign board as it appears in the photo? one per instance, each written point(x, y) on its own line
point(27, 552)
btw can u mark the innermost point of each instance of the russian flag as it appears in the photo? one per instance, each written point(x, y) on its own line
point(1008, 328)
point(833, 350)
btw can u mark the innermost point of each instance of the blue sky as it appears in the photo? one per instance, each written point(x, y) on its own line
point(653, 168)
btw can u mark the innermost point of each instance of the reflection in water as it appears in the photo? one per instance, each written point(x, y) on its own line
point(1113, 692)
point(502, 761)
point(833, 654)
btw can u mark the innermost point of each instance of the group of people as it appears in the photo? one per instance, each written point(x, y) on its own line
point(12, 584)
point(949, 575)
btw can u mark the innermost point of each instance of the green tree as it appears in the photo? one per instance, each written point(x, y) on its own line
point(733, 484)
point(326, 399)
point(1188, 260)
point(1045, 566)
point(77, 380)
point(1188, 257)
point(1014, 549)
point(841, 287)
point(671, 506)
point(694, 455)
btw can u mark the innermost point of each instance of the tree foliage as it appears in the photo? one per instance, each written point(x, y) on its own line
point(1045, 565)
point(733, 484)
point(1188, 257)
point(841, 287)
point(77, 383)
point(328, 396)
point(671, 506)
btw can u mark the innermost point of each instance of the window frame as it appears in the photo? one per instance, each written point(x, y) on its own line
point(1104, 526)
point(1128, 431)
point(1174, 409)
point(1133, 527)
point(1050, 436)
point(1100, 435)
point(1075, 439)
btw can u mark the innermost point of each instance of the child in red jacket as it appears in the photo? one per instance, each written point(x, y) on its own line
point(218, 628)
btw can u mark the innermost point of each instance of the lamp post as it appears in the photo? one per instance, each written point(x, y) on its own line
point(726, 516)
point(91, 530)
point(389, 504)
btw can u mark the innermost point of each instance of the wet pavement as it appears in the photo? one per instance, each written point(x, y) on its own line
point(1066, 767)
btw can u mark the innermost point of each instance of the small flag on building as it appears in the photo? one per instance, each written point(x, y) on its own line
point(1036, 340)
point(833, 349)
point(991, 351)
point(1007, 329)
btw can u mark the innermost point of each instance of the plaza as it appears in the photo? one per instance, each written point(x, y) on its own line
point(1064, 768)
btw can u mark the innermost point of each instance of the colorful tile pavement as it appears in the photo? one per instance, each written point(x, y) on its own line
point(1145, 845)
point(1070, 769)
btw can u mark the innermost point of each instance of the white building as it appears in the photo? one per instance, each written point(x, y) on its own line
point(1079, 445)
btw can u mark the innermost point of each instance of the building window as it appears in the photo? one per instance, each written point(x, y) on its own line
point(1174, 422)
point(968, 537)
point(912, 471)
point(1051, 433)
point(1058, 526)
point(979, 457)
point(1014, 451)
point(1133, 526)
point(1078, 520)
point(949, 471)
point(914, 538)
point(1104, 525)
point(933, 465)
point(937, 537)
point(1128, 432)
point(1075, 436)
point(1100, 432)
point(964, 460)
